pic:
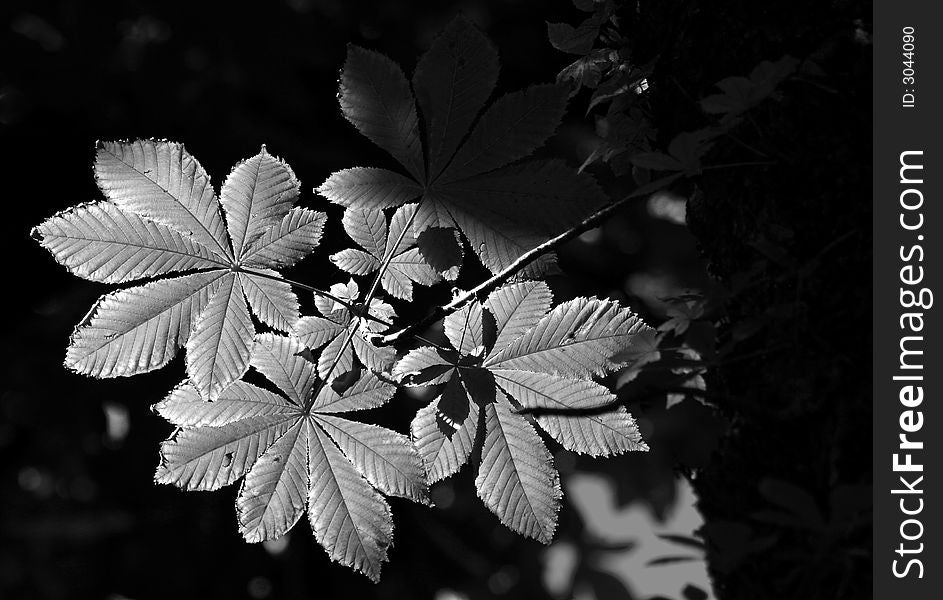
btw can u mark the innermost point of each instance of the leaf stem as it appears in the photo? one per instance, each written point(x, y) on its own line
point(348, 305)
point(739, 164)
point(352, 331)
point(388, 258)
point(486, 287)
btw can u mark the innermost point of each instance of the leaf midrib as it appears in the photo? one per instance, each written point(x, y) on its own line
point(328, 418)
point(144, 247)
point(167, 193)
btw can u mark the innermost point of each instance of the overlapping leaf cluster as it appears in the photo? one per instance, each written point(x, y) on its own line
point(513, 353)
point(267, 390)
point(466, 171)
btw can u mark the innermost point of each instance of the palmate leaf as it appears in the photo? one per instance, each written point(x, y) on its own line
point(513, 354)
point(396, 246)
point(469, 177)
point(162, 219)
point(295, 455)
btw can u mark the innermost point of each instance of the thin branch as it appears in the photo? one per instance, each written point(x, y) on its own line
point(740, 142)
point(482, 290)
point(614, 404)
point(761, 163)
point(345, 303)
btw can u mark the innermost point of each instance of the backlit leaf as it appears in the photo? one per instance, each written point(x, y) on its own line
point(298, 233)
point(350, 519)
point(257, 195)
point(395, 247)
point(375, 97)
point(513, 354)
point(163, 217)
point(369, 188)
point(159, 180)
point(443, 456)
point(386, 458)
point(103, 243)
point(274, 493)
point(139, 329)
point(295, 455)
point(576, 339)
point(218, 350)
point(516, 308)
point(271, 300)
point(517, 479)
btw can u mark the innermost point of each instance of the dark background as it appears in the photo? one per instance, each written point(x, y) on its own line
point(81, 517)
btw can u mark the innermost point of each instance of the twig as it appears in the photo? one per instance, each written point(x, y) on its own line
point(740, 142)
point(346, 304)
point(762, 163)
point(388, 258)
point(352, 331)
point(483, 289)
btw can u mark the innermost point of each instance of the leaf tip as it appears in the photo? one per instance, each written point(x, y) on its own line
point(37, 234)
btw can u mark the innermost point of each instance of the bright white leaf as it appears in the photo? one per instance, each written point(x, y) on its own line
point(277, 357)
point(378, 359)
point(422, 366)
point(350, 520)
point(207, 458)
point(443, 456)
point(256, 196)
point(516, 479)
point(576, 339)
point(315, 332)
point(290, 240)
point(161, 181)
point(139, 329)
point(603, 433)
point(368, 392)
point(271, 300)
point(387, 459)
point(465, 328)
point(355, 262)
point(337, 358)
point(516, 308)
point(185, 408)
point(369, 188)
point(274, 493)
point(540, 390)
point(367, 227)
point(103, 243)
point(218, 350)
